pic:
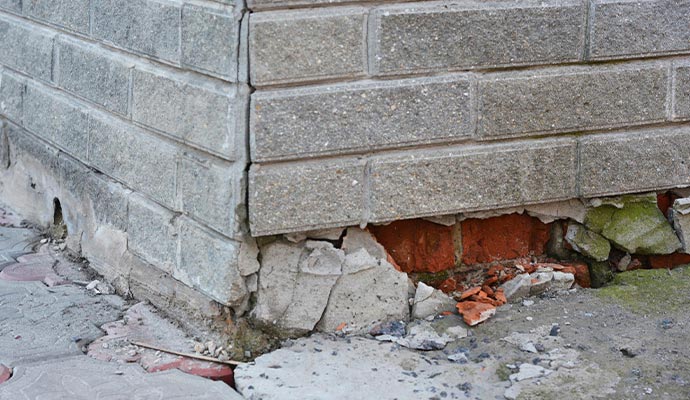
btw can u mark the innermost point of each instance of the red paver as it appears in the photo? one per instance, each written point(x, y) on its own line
point(5, 373)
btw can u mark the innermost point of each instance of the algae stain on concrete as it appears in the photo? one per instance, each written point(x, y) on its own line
point(650, 291)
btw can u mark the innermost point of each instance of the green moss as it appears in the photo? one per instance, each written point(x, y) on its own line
point(650, 291)
point(503, 372)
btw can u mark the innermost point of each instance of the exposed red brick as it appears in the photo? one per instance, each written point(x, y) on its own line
point(487, 289)
point(500, 296)
point(449, 285)
point(5, 373)
point(664, 201)
point(470, 292)
point(502, 238)
point(581, 272)
point(417, 245)
point(474, 312)
point(491, 280)
point(669, 260)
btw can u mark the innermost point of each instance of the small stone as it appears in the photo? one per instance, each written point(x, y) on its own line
point(459, 357)
point(529, 371)
point(562, 280)
point(527, 303)
point(474, 312)
point(517, 288)
point(429, 302)
point(92, 285)
point(529, 318)
point(199, 347)
point(541, 282)
point(392, 328)
point(555, 330)
point(528, 347)
point(211, 346)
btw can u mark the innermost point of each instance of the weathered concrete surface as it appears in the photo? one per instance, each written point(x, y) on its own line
point(82, 378)
point(587, 242)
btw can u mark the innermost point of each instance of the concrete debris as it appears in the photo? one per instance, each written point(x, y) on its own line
point(366, 281)
point(295, 282)
point(99, 287)
point(425, 335)
point(517, 288)
point(474, 313)
point(445, 220)
point(541, 282)
point(248, 257)
point(356, 239)
point(529, 371)
point(562, 280)
point(430, 302)
point(588, 243)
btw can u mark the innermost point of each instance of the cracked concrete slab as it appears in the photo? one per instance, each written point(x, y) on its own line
point(78, 378)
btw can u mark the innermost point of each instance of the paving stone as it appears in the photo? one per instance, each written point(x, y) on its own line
point(38, 323)
point(323, 367)
point(83, 378)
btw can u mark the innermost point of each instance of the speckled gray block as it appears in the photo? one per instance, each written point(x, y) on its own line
point(635, 162)
point(71, 14)
point(478, 177)
point(681, 93)
point(622, 28)
point(152, 232)
point(118, 149)
point(445, 36)
point(359, 117)
point(26, 48)
point(300, 197)
point(54, 117)
point(293, 46)
point(567, 100)
point(12, 89)
point(13, 5)
point(147, 26)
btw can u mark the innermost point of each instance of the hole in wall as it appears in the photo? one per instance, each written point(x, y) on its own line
point(58, 229)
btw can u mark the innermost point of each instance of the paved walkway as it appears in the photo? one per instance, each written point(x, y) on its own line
point(45, 331)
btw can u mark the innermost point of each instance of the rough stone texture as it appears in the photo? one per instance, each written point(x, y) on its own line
point(70, 14)
point(680, 216)
point(634, 162)
point(152, 233)
point(83, 378)
point(12, 88)
point(305, 196)
point(116, 149)
point(433, 183)
point(295, 282)
point(55, 118)
point(634, 224)
point(208, 263)
point(268, 4)
point(94, 74)
point(145, 26)
point(290, 46)
point(13, 5)
point(366, 281)
point(196, 111)
point(337, 119)
point(209, 39)
point(565, 101)
point(517, 288)
point(26, 48)
point(469, 34)
point(587, 242)
point(418, 245)
point(429, 302)
point(681, 93)
point(623, 28)
point(600, 274)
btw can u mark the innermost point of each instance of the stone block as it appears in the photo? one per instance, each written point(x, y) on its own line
point(12, 5)
point(359, 117)
point(210, 192)
point(70, 14)
point(681, 93)
point(54, 117)
point(680, 216)
point(22, 144)
point(147, 26)
point(588, 243)
point(152, 233)
point(26, 48)
point(622, 28)
point(571, 100)
point(439, 36)
point(140, 160)
point(422, 183)
point(429, 302)
point(195, 111)
point(271, 4)
point(300, 197)
point(209, 39)
point(12, 88)
point(296, 46)
point(634, 162)
point(208, 263)
point(94, 74)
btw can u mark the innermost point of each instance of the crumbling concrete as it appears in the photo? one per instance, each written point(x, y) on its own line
point(587, 242)
point(429, 302)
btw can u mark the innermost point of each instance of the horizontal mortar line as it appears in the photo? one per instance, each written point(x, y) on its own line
point(473, 143)
point(326, 5)
point(90, 106)
point(62, 151)
point(479, 71)
point(59, 30)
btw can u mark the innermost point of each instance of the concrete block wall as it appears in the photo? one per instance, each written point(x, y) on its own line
point(370, 112)
point(133, 115)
